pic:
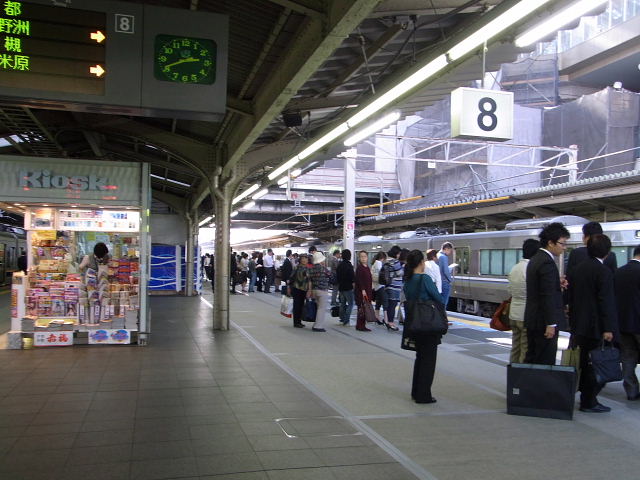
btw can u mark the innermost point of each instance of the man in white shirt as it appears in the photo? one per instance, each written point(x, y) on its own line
point(269, 270)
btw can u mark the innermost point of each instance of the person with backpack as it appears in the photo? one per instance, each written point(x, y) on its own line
point(390, 276)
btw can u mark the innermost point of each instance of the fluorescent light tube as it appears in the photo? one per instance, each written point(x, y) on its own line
point(233, 214)
point(400, 89)
point(283, 180)
point(557, 21)
point(296, 172)
point(246, 193)
point(494, 27)
point(249, 205)
point(206, 220)
point(372, 129)
point(283, 167)
point(324, 140)
point(260, 194)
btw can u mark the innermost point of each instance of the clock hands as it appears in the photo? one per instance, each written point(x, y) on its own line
point(184, 60)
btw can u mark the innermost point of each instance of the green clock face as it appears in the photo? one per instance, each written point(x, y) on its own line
point(184, 59)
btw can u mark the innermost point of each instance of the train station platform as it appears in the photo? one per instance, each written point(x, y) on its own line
point(265, 401)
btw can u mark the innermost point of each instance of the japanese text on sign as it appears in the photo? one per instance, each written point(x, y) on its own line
point(53, 339)
point(13, 29)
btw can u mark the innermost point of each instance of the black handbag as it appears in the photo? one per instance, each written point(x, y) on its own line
point(310, 310)
point(546, 391)
point(425, 317)
point(335, 311)
point(605, 361)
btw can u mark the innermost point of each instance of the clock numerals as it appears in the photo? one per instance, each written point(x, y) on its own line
point(184, 60)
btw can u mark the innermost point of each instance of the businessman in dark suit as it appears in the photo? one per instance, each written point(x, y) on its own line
point(544, 309)
point(578, 255)
point(592, 315)
point(627, 287)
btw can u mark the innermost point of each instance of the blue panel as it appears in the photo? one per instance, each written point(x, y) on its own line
point(163, 267)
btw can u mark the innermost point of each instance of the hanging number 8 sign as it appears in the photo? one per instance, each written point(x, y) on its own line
point(485, 114)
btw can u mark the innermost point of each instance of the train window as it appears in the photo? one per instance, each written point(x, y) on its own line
point(623, 254)
point(462, 257)
point(499, 261)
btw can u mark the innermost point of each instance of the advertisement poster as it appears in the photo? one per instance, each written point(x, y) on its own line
point(105, 336)
point(14, 303)
point(53, 339)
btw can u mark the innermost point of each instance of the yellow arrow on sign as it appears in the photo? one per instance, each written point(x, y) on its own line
point(98, 36)
point(97, 70)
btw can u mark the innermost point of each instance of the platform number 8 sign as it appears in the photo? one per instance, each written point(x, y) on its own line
point(487, 120)
point(485, 114)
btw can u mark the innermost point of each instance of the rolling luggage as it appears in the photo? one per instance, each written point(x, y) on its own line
point(546, 391)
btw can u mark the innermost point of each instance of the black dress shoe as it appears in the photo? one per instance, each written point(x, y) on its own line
point(633, 397)
point(431, 400)
point(298, 325)
point(599, 408)
point(318, 329)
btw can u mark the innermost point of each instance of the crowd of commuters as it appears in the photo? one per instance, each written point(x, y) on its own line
point(595, 301)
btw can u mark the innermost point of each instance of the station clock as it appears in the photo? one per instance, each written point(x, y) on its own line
point(184, 59)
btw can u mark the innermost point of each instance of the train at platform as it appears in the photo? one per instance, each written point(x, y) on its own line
point(13, 241)
point(484, 259)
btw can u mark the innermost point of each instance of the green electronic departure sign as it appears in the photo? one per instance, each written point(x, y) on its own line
point(52, 48)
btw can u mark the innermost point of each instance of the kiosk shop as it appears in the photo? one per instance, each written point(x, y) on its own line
point(67, 297)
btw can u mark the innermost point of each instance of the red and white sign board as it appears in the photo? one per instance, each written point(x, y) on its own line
point(53, 339)
point(296, 195)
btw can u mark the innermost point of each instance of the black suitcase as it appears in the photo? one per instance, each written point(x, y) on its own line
point(546, 391)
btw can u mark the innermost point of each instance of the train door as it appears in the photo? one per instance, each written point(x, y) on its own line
point(462, 284)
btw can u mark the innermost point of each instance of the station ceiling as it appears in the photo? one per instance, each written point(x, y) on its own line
point(316, 59)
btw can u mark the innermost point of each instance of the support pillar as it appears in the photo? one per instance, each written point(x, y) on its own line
point(349, 216)
point(192, 241)
point(222, 253)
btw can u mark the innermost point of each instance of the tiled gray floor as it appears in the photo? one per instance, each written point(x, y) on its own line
point(193, 406)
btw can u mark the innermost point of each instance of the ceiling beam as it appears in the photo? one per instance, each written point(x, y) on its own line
point(315, 42)
point(314, 12)
point(371, 51)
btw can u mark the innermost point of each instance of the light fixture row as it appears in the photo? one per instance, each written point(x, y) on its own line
point(468, 44)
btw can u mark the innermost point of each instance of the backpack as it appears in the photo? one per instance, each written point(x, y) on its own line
point(386, 275)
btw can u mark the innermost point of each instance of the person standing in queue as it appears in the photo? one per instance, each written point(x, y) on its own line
point(319, 275)
point(580, 254)
point(334, 261)
point(446, 251)
point(345, 278)
point(419, 286)
point(378, 289)
point(432, 268)
point(233, 272)
point(252, 272)
point(518, 291)
point(627, 288)
point(392, 289)
point(269, 270)
point(286, 269)
point(544, 307)
point(260, 272)
point(592, 315)
point(300, 289)
point(363, 290)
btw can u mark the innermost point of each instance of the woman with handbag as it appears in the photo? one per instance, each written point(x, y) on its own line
point(299, 289)
point(418, 286)
point(362, 290)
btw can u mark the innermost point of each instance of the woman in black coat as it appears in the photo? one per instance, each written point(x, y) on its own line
point(419, 286)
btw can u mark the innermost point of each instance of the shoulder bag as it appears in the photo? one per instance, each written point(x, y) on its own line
point(500, 318)
point(425, 317)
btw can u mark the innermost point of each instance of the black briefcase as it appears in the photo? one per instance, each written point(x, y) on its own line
point(546, 391)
